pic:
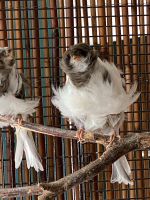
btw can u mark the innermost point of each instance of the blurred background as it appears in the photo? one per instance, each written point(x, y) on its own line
point(40, 32)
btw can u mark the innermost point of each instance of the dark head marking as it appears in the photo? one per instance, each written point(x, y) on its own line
point(78, 63)
point(106, 76)
point(4, 80)
point(7, 59)
point(81, 50)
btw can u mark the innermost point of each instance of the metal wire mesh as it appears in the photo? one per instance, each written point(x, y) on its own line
point(39, 32)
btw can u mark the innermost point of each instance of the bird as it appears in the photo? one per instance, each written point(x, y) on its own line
point(94, 98)
point(13, 105)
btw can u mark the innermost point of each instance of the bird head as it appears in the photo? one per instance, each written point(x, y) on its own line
point(7, 59)
point(78, 58)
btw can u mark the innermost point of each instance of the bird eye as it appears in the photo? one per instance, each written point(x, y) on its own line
point(67, 58)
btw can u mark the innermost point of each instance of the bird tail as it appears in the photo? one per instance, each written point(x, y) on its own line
point(121, 171)
point(26, 143)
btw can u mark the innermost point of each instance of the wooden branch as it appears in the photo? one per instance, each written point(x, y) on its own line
point(95, 137)
point(48, 190)
point(21, 191)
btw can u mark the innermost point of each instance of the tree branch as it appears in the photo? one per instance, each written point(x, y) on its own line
point(48, 190)
point(94, 137)
point(21, 191)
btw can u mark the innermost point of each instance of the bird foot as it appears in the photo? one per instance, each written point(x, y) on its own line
point(79, 135)
point(19, 119)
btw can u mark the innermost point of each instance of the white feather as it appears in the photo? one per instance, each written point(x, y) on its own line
point(92, 103)
point(26, 143)
point(121, 171)
point(19, 149)
point(79, 65)
point(10, 105)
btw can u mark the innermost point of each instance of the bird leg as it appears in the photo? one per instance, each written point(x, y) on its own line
point(80, 134)
point(19, 119)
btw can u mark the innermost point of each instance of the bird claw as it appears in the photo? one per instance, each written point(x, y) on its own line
point(79, 135)
point(81, 141)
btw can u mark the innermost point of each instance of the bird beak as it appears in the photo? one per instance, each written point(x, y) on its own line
point(76, 58)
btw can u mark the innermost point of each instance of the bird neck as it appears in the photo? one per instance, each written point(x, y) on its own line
point(80, 79)
point(15, 81)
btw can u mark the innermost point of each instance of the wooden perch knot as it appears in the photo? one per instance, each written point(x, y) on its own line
point(88, 136)
point(144, 142)
point(45, 196)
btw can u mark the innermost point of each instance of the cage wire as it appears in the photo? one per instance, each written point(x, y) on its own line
point(40, 32)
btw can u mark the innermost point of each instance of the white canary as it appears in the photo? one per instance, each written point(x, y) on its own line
point(11, 104)
point(94, 98)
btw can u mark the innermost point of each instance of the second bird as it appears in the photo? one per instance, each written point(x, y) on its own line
point(11, 104)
